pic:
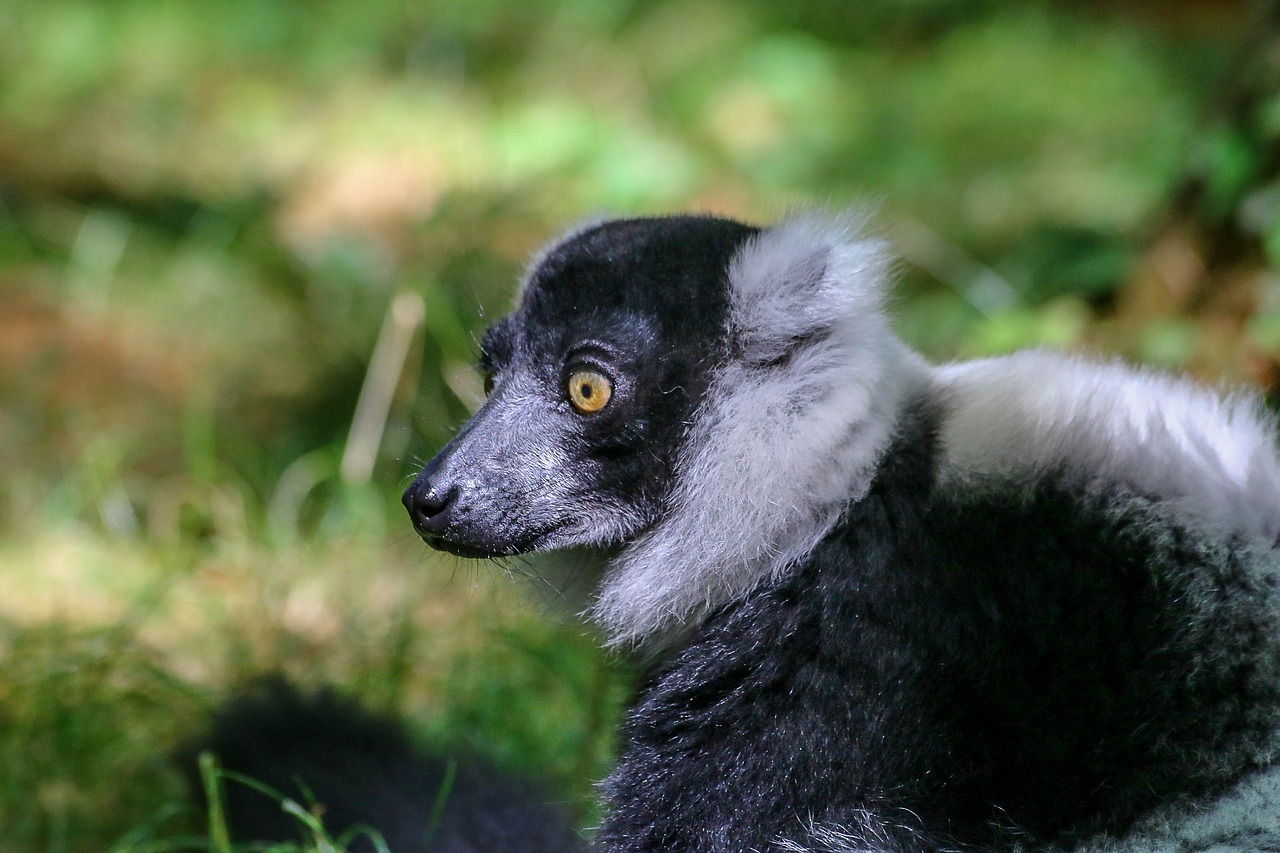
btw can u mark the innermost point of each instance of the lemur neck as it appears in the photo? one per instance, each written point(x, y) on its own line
point(772, 460)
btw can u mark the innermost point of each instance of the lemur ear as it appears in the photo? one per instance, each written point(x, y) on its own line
point(792, 283)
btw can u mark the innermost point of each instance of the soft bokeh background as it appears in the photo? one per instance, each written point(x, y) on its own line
point(213, 213)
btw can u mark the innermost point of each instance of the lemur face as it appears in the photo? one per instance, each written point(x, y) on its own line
point(593, 380)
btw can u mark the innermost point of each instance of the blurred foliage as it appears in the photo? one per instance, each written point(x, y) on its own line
point(207, 208)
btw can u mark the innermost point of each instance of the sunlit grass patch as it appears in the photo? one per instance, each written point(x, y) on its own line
point(115, 650)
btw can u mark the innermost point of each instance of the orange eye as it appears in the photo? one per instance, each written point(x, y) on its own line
point(589, 391)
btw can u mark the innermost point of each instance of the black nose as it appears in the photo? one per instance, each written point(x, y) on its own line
point(429, 506)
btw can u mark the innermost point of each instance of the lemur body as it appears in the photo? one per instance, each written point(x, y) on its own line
point(893, 606)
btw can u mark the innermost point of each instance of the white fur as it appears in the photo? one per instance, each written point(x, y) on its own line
point(792, 429)
point(795, 425)
point(869, 834)
point(1034, 413)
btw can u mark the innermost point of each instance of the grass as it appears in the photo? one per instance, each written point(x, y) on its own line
point(167, 531)
point(118, 650)
point(309, 819)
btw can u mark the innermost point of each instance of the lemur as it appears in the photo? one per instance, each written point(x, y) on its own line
point(893, 606)
point(1021, 603)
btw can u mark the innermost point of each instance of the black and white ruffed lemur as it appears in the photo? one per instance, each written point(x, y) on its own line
point(894, 606)
point(1021, 603)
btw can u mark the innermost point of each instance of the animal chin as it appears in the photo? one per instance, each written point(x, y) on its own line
point(476, 550)
point(464, 549)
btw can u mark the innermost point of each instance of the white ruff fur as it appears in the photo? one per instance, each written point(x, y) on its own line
point(795, 425)
point(792, 429)
point(1036, 413)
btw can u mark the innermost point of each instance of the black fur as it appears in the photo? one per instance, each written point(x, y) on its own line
point(358, 769)
point(954, 671)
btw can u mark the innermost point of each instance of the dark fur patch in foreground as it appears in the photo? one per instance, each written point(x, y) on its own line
point(360, 769)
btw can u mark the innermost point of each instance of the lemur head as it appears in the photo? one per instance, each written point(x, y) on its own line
point(592, 382)
point(696, 397)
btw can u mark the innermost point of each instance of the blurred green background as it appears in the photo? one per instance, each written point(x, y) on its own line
point(209, 208)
